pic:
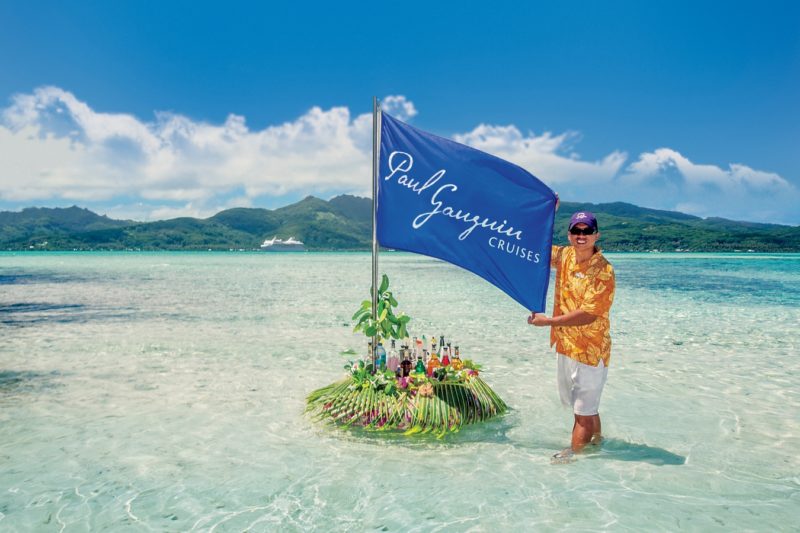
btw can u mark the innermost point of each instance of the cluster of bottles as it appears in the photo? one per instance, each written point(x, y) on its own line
point(415, 357)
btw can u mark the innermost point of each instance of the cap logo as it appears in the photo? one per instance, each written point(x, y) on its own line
point(579, 216)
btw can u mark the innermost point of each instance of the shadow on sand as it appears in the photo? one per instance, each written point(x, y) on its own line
point(497, 431)
point(490, 431)
point(620, 450)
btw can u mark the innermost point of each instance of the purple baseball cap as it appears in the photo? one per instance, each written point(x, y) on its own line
point(583, 217)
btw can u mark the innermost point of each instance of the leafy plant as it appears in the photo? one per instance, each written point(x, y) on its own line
point(468, 363)
point(363, 377)
point(387, 324)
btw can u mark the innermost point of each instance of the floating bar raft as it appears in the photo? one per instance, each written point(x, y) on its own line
point(438, 407)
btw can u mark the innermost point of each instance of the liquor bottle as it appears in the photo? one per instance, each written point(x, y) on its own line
point(433, 363)
point(405, 365)
point(398, 372)
point(441, 346)
point(380, 354)
point(446, 356)
point(456, 362)
point(420, 368)
point(393, 361)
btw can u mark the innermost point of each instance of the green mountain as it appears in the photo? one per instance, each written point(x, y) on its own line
point(345, 223)
point(626, 227)
point(34, 226)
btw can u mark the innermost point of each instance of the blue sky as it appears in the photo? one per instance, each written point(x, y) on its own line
point(156, 109)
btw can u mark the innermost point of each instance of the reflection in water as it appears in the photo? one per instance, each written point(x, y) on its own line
point(32, 307)
point(493, 431)
point(20, 381)
point(40, 313)
point(28, 278)
point(28, 313)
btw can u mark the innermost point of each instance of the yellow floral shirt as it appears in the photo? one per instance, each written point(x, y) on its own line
point(590, 287)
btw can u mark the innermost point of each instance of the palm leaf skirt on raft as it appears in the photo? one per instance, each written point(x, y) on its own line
point(447, 409)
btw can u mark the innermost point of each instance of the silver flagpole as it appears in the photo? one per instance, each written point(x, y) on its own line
point(375, 159)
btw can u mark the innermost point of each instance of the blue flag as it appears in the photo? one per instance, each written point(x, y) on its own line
point(446, 200)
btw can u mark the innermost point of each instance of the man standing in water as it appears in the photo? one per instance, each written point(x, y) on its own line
point(579, 327)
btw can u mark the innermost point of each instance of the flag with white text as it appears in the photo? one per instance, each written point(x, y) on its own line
point(446, 200)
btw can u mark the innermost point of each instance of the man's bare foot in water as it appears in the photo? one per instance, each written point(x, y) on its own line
point(563, 457)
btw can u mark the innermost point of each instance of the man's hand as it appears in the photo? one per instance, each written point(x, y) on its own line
point(539, 319)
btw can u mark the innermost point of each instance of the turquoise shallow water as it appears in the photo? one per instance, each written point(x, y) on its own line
point(165, 392)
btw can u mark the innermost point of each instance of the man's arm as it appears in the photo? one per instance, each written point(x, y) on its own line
point(555, 257)
point(555, 251)
point(573, 318)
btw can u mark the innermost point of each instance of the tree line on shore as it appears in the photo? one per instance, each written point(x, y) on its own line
point(344, 224)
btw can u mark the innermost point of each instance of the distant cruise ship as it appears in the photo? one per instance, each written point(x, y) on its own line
point(278, 245)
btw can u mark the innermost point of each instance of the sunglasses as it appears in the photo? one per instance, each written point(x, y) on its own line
point(582, 231)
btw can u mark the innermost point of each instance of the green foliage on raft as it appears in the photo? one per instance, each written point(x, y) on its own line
point(447, 409)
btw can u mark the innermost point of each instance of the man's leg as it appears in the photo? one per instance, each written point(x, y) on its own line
point(585, 430)
point(580, 386)
point(589, 383)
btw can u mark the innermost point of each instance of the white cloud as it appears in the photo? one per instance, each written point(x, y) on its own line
point(653, 164)
point(55, 148)
point(399, 107)
point(547, 156)
point(166, 212)
point(159, 211)
point(666, 178)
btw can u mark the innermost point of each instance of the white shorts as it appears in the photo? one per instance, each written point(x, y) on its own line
point(580, 385)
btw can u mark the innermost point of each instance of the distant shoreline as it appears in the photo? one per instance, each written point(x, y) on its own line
point(344, 224)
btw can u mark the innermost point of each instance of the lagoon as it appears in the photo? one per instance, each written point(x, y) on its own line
point(165, 392)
